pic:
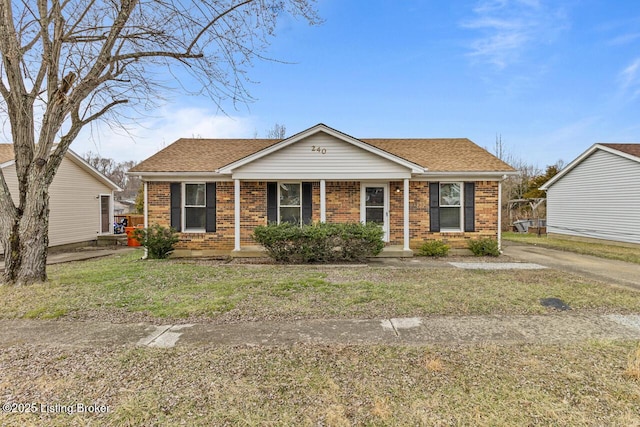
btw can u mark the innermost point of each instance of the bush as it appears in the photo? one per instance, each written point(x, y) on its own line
point(158, 240)
point(433, 248)
point(321, 243)
point(484, 247)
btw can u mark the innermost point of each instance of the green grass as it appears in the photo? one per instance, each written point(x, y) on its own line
point(580, 384)
point(124, 288)
point(595, 249)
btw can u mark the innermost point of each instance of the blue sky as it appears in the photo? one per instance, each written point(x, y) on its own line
point(551, 77)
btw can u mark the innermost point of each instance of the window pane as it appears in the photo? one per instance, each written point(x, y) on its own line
point(374, 196)
point(450, 218)
point(291, 215)
point(194, 195)
point(449, 194)
point(375, 215)
point(194, 218)
point(290, 194)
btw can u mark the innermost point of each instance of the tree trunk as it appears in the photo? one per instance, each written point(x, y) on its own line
point(26, 248)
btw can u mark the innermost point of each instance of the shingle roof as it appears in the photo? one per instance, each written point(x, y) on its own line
point(6, 152)
point(437, 155)
point(201, 155)
point(633, 149)
point(443, 154)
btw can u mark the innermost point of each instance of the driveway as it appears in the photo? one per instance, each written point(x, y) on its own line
point(610, 271)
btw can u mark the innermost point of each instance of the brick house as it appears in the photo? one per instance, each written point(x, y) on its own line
point(216, 191)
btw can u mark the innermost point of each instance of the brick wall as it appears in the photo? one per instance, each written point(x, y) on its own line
point(342, 205)
point(343, 201)
point(253, 209)
point(486, 210)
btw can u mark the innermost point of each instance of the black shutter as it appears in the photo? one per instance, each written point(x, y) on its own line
point(307, 202)
point(176, 205)
point(210, 218)
point(272, 202)
point(469, 207)
point(434, 206)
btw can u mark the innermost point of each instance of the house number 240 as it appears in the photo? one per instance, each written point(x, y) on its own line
point(317, 149)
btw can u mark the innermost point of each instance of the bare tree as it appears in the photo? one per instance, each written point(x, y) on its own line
point(67, 63)
point(278, 131)
point(116, 172)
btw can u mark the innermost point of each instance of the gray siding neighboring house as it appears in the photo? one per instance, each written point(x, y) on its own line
point(597, 195)
point(81, 199)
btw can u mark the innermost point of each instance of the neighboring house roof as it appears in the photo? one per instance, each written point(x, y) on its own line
point(6, 153)
point(633, 149)
point(7, 159)
point(629, 151)
point(433, 155)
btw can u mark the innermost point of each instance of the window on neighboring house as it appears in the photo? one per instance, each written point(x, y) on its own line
point(289, 203)
point(450, 206)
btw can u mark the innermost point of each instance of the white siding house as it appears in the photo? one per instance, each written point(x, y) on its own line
point(81, 199)
point(597, 195)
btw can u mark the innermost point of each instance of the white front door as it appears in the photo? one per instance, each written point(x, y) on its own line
point(374, 206)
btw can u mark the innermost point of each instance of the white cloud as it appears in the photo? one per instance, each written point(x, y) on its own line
point(630, 80)
point(624, 39)
point(507, 28)
point(152, 134)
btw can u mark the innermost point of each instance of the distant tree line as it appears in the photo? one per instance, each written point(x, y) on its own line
point(523, 186)
point(117, 172)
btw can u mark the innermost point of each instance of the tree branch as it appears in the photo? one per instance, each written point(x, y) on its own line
point(213, 22)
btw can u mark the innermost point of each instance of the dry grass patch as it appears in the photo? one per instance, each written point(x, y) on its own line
point(310, 385)
point(633, 365)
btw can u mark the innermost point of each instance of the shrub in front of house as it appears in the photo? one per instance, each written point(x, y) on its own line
point(158, 240)
point(434, 248)
point(320, 243)
point(484, 247)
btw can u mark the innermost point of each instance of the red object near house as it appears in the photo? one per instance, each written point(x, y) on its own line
point(131, 241)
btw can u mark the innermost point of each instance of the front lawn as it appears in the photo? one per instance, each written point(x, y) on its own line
point(124, 288)
point(582, 384)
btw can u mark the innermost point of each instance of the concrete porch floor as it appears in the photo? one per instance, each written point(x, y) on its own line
point(393, 251)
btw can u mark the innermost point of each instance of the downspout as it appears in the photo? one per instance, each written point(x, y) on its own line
point(500, 212)
point(145, 211)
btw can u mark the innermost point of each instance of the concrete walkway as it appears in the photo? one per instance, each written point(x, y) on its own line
point(560, 328)
point(82, 254)
point(609, 271)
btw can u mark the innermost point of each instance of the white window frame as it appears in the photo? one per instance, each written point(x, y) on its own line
point(185, 207)
point(299, 183)
point(461, 207)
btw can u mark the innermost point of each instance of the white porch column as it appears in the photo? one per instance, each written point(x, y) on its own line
point(323, 201)
point(145, 205)
point(406, 214)
point(145, 211)
point(236, 217)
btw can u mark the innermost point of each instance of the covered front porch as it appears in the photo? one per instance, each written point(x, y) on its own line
point(303, 202)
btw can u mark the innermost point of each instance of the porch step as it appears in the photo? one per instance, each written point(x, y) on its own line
point(249, 252)
point(394, 251)
point(112, 240)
